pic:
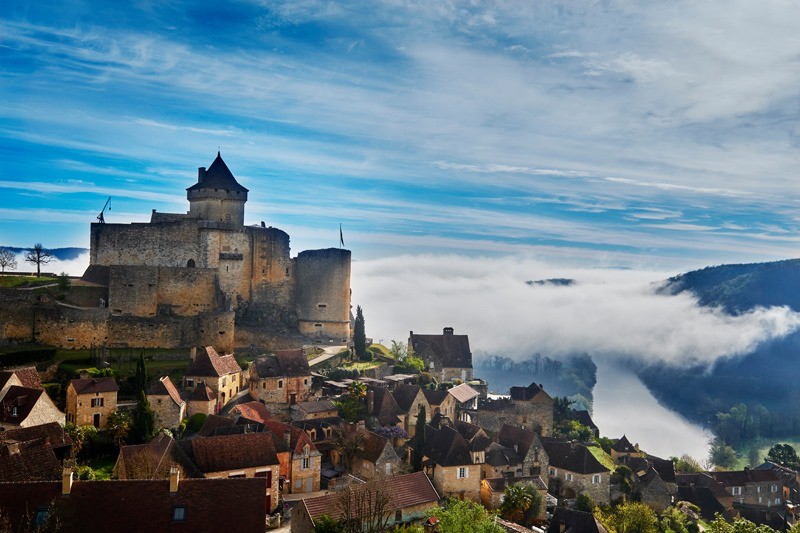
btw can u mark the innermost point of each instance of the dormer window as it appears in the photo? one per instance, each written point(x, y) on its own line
point(14, 411)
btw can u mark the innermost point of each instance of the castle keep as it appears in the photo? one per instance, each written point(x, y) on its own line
point(187, 278)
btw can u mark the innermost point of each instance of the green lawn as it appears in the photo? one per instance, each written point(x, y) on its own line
point(380, 349)
point(603, 457)
point(103, 467)
point(19, 281)
point(362, 365)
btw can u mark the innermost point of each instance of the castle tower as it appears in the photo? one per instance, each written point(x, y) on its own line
point(217, 196)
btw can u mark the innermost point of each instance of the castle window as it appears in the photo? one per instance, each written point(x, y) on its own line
point(280, 383)
point(317, 325)
point(322, 306)
point(263, 270)
point(190, 263)
point(287, 271)
point(222, 333)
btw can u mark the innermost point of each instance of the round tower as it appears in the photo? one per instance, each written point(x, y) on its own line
point(217, 196)
point(323, 293)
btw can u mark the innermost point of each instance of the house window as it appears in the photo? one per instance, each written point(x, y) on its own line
point(179, 513)
point(595, 479)
point(97, 402)
point(306, 463)
point(305, 381)
point(758, 488)
point(777, 501)
point(568, 477)
point(553, 472)
point(280, 383)
point(736, 491)
point(463, 472)
point(40, 516)
point(774, 488)
point(190, 383)
point(264, 385)
point(224, 380)
point(14, 411)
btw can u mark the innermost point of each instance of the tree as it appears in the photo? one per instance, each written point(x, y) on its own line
point(721, 455)
point(464, 516)
point(739, 525)
point(7, 260)
point(784, 455)
point(351, 404)
point(348, 441)
point(359, 335)
point(326, 524)
point(118, 425)
point(398, 350)
point(140, 377)
point(633, 517)
point(79, 435)
point(521, 503)
point(144, 420)
point(584, 503)
point(562, 408)
point(686, 464)
point(64, 282)
point(682, 518)
point(364, 510)
point(38, 256)
point(418, 443)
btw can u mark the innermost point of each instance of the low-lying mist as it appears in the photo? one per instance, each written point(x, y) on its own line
point(607, 313)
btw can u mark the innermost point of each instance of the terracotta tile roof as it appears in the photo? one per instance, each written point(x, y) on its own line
point(255, 411)
point(297, 437)
point(404, 395)
point(409, 490)
point(165, 387)
point(31, 460)
point(284, 363)
point(214, 422)
point(218, 176)
point(52, 431)
point(463, 393)
point(231, 452)
point(94, 385)
point(451, 350)
point(202, 393)
point(373, 447)
point(572, 456)
point(208, 363)
point(27, 375)
point(142, 506)
point(446, 447)
point(525, 394)
point(18, 403)
point(153, 460)
point(740, 478)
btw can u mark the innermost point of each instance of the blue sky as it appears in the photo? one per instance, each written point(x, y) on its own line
point(642, 134)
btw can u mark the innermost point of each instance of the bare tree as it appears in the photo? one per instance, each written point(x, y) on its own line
point(349, 442)
point(7, 260)
point(364, 510)
point(38, 256)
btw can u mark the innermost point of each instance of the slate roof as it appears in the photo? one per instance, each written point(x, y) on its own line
point(583, 417)
point(28, 376)
point(664, 467)
point(740, 478)
point(463, 393)
point(141, 506)
point(474, 435)
point(165, 387)
point(218, 176)
point(451, 350)
point(384, 407)
point(230, 452)
point(499, 484)
point(318, 424)
point(572, 456)
point(703, 497)
point(202, 393)
point(574, 522)
point(702, 479)
point(94, 385)
point(22, 399)
point(404, 395)
point(373, 447)
point(214, 422)
point(435, 397)
point(409, 490)
point(623, 445)
point(255, 411)
point(515, 437)
point(446, 447)
point(30, 460)
point(499, 455)
point(283, 363)
point(319, 406)
point(208, 363)
point(527, 393)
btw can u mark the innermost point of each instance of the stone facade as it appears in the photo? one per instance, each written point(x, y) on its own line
point(462, 482)
point(90, 401)
point(221, 374)
point(306, 467)
point(570, 484)
point(22, 407)
point(166, 402)
point(282, 378)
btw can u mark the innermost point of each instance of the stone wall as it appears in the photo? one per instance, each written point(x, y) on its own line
point(168, 413)
point(16, 315)
point(66, 327)
point(323, 292)
point(280, 390)
point(207, 329)
point(160, 244)
point(449, 485)
point(81, 412)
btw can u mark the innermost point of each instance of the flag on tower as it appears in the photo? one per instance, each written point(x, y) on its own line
point(341, 237)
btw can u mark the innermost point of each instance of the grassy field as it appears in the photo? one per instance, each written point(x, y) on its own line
point(380, 349)
point(20, 281)
point(602, 457)
point(763, 446)
point(362, 365)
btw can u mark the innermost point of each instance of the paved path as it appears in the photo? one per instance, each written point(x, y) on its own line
point(330, 352)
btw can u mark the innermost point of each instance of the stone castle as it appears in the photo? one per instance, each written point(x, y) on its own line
point(192, 278)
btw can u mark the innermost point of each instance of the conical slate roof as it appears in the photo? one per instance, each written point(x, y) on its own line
point(218, 176)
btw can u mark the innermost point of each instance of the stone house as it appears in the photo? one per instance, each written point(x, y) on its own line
point(166, 402)
point(574, 470)
point(303, 462)
point(172, 504)
point(382, 406)
point(623, 447)
point(91, 400)
point(440, 403)
point(704, 491)
point(408, 497)
point(752, 487)
point(376, 459)
point(493, 490)
point(154, 460)
point(533, 409)
point(244, 455)
point(410, 399)
point(222, 374)
point(574, 521)
point(516, 452)
point(447, 355)
point(789, 477)
point(22, 377)
point(27, 455)
point(281, 378)
point(314, 409)
point(448, 461)
point(466, 400)
point(250, 412)
point(653, 480)
point(320, 431)
point(201, 400)
point(23, 407)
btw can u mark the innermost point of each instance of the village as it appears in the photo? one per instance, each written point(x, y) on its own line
point(292, 443)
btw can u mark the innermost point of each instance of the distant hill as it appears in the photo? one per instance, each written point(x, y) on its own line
point(62, 254)
point(764, 381)
point(739, 288)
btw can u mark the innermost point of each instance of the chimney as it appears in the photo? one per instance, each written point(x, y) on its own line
point(447, 331)
point(193, 353)
point(174, 479)
point(370, 401)
point(572, 445)
point(13, 448)
point(201, 174)
point(66, 481)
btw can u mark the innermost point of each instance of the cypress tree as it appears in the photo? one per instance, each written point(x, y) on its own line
point(144, 420)
point(359, 335)
point(419, 441)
